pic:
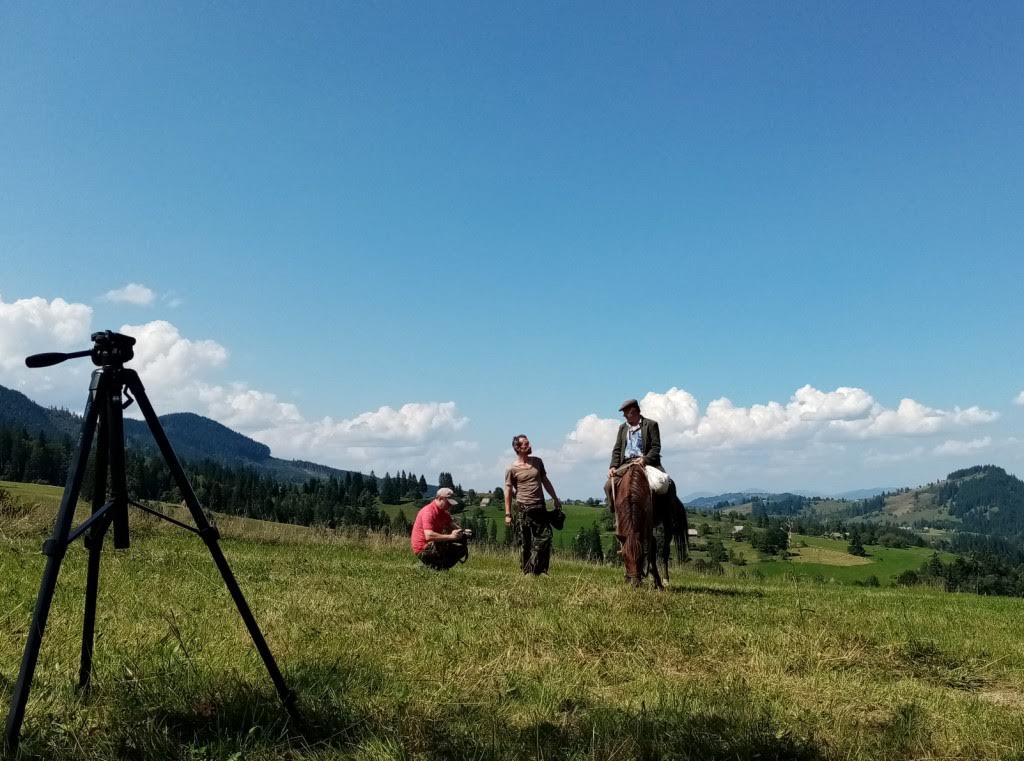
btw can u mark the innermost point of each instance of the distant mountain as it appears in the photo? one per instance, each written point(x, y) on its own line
point(704, 500)
point(193, 437)
point(981, 501)
point(697, 495)
point(986, 499)
point(17, 410)
point(196, 437)
point(733, 498)
point(861, 493)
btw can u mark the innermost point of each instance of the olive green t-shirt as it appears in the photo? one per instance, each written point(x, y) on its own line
point(525, 481)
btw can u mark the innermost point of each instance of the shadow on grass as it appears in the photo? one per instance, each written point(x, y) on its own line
point(717, 591)
point(357, 711)
point(661, 733)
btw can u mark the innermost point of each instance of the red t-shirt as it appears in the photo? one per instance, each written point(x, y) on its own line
point(429, 517)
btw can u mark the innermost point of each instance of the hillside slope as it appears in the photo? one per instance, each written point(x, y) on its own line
point(572, 666)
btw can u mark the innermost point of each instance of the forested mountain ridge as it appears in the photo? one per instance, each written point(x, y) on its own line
point(732, 499)
point(986, 499)
point(16, 409)
point(982, 500)
point(194, 438)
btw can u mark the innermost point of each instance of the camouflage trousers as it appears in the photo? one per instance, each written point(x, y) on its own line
point(535, 534)
point(443, 555)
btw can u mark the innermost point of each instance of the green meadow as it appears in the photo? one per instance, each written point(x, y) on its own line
point(392, 661)
point(827, 560)
point(576, 516)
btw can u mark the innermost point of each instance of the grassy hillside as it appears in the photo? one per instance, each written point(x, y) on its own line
point(813, 558)
point(576, 516)
point(395, 662)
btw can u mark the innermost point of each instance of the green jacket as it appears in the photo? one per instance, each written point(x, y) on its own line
point(650, 443)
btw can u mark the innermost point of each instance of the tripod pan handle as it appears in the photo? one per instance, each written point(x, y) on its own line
point(53, 358)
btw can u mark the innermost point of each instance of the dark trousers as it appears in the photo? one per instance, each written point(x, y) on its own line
point(443, 555)
point(536, 532)
point(619, 473)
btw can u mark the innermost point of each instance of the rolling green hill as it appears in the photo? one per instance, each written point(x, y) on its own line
point(391, 661)
point(812, 558)
point(983, 500)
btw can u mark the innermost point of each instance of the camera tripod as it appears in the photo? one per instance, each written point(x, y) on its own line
point(110, 392)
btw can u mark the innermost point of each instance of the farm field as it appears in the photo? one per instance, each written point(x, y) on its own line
point(395, 662)
point(829, 559)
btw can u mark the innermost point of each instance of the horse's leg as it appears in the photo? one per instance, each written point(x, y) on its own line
point(654, 564)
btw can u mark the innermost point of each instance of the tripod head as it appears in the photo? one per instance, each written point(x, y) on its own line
point(109, 348)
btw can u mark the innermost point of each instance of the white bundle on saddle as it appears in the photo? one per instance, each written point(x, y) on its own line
point(658, 479)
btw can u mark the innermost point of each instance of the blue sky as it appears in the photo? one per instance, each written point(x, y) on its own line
point(509, 217)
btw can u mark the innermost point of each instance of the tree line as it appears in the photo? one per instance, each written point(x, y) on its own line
point(978, 573)
point(236, 490)
point(34, 459)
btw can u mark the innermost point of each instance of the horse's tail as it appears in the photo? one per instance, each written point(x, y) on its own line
point(680, 530)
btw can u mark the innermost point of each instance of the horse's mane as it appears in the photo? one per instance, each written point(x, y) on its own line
point(636, 497)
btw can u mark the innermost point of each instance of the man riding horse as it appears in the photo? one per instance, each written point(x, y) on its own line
point(639, 440)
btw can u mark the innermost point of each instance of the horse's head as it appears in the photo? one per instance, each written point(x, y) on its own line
point(633, 508)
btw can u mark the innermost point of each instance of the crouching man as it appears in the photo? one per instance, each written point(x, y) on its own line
point(436, 538)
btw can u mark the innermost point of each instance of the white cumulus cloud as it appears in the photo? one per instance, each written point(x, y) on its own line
point(842, 404)
point(962, 448)
point(180, 375)
point(678, 408)
point(133, 293)
point(166, 358)
point(410, 432)
point(810, 414)
point(726, 425)
point(591, 439)
point(911, 418)
point(242, 408)
point(35, 325)
point(176, 372)
point(1019, 401)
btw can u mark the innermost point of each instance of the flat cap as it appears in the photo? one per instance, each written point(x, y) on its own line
point(629, 403)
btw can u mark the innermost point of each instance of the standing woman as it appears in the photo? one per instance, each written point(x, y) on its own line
point(525, 480)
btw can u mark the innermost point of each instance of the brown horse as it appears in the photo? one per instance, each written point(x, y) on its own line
point(634, 508)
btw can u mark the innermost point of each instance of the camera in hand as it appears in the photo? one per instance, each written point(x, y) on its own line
point(466, 534)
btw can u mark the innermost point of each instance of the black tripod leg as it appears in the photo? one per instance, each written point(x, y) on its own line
point(94, 543)
point(54, 549)
point(210, 536)
point(118, 476)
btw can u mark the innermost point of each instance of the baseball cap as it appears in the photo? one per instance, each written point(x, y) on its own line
point(445, 493)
